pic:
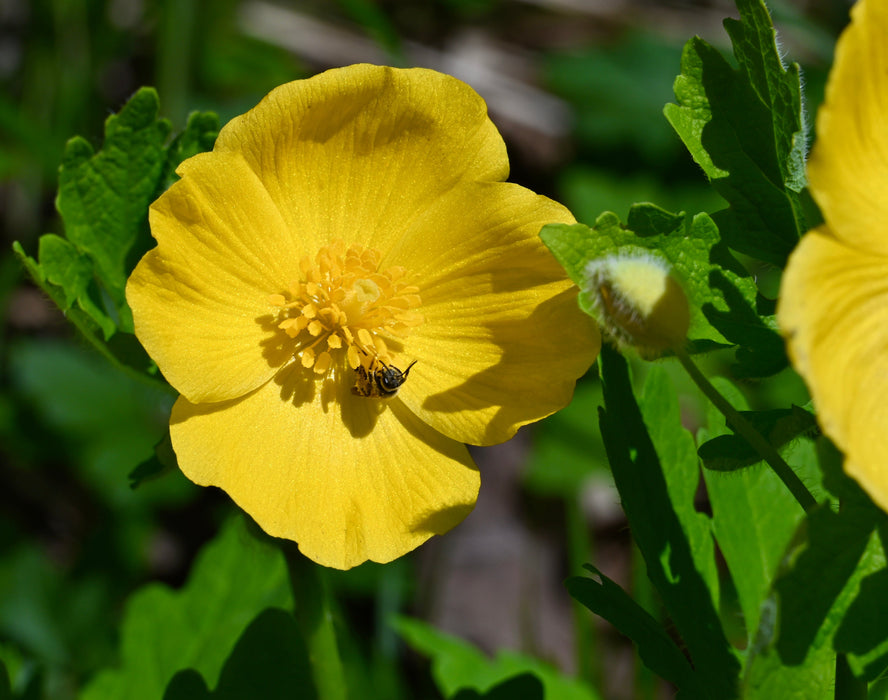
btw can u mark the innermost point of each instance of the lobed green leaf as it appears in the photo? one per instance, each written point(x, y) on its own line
point(104, 196)
point(745, 128)
point(103, 199)
point(235, 577)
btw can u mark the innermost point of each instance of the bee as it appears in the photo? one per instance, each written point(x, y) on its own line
point(379, 383)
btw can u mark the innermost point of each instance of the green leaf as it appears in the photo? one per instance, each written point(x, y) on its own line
point(269, 661)
point(655, 648)
point(525, 686)
point(745, 128)
point(657, 476)
point(5, 689)
point(457, 664)
point(113, 420)
point(754, 516)
point(72, 271)
point(234, 578)
point(722, 296)
point(616, 92)
point(728, 452)
point(835, 558)
point(198, 136)
point(566, 448)
point(863, 632)
point(91, 328)
point(103, 197)
point(161, 462)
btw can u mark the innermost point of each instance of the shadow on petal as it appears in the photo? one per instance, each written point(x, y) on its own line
point(277, 348)
point(532, 378)
point(442, 521)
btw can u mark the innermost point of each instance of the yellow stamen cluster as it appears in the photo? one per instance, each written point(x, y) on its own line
point(345, 302)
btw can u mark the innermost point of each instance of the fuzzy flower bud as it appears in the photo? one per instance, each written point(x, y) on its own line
point(638, 302)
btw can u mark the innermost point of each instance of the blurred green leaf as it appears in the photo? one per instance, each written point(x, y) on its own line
point(58, 618)
point(457, 664)
point(723, 297)
point(525, 686)
point(655, 648)
point(5, 689)
point(587, 191)
point(269, 661)
point(566, 448)
point(728, 452)
point(657, 476)
point(744, 127)
point(234, 578)
point(618, 91)
point(113, 421)
point(162, 461)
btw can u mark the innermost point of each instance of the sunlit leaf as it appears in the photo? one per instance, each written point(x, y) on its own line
point(745, 128)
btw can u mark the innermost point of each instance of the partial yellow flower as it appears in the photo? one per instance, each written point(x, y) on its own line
point(347, 227)
point(834, 297)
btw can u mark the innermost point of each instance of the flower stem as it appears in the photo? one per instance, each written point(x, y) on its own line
point(311, 607)
point(743, 428)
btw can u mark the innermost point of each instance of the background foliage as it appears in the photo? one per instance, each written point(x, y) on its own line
point(88, 563)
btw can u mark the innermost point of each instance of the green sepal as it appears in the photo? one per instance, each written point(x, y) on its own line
point(745, 128)
point(724, 302)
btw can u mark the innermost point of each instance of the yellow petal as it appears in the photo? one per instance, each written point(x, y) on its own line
point(503, 341)
point(355, 153)
point(202, 300)
point(848, 169)
point(834, 313)
point(348, 478)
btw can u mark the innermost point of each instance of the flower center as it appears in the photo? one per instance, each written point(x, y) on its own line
point(345, 303)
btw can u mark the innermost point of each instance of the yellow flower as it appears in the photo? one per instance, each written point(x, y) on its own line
point(348, 226)
point(834, 296)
